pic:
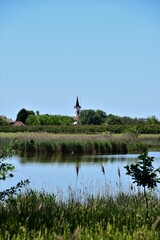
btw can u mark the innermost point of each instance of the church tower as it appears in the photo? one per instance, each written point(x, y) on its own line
point(77, 108)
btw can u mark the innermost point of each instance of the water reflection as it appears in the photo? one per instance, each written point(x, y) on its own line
point(77, 168)
point(102, 168)
point(51, 158)
point(77, 160)
point(72, 158)
point(96, 173)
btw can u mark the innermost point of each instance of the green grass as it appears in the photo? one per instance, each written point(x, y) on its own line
point(34, 215)
point(38, 215)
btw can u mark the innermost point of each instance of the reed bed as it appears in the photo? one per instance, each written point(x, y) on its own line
point(34, 215)
point(81, 216)
point(70, 147)
point(81, 143)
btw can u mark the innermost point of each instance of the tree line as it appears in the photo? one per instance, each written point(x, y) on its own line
point(87, 117)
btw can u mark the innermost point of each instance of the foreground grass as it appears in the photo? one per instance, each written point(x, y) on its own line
point(34, 215)
point(81, 143)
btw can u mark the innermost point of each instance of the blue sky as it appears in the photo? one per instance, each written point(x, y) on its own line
point(106, 52)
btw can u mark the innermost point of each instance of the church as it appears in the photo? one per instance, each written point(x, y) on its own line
point(77, 108)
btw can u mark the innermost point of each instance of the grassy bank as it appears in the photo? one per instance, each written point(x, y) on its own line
point(80, 216)
point(81, 143)
point(41, 216)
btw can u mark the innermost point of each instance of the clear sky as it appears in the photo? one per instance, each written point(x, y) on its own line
point(106, 52)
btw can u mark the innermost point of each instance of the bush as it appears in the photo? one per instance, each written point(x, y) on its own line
point(86, 129)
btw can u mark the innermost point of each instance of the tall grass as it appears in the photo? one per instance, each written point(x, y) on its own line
point(81, 147)
point(82, 143)
point(71, 147)
point(34, 215)
point(38, 215)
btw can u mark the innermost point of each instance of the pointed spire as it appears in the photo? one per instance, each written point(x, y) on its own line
point(77, 103)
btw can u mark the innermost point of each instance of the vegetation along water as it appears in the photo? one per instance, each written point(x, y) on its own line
point(104, 143)
point(38, 215)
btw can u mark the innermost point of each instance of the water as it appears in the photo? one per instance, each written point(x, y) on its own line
point(92, 174)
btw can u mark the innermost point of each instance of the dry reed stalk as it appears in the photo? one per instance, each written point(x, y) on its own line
point(73, 237)
point(156, 223)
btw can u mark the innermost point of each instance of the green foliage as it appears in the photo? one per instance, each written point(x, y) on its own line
point(34, 215)
point(113, 120)
point(143, 173)
point(47, 120)
point(133, 130)
point(32, 120)
point(87, 129)
point(91, 117)
point(102, 115)
point(127, 120)
point(152, 120)
point(30, 146)
point(71, 146)
point(3, 122)
point(23, 114)
point(87, 117)
point(132, 121)
point(45, 147)
point(48, 142)
point(6, 168)
point(6, 171)
point(7, 194)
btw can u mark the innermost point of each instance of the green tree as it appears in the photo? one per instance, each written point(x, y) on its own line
point(134, 131)
point(144, 174)
point(127, 120)
point(66, 120)
point(46, 119)
point(139, 121)
point(3, 122)
point(32, 120)
point(152, 120)
point(113, 120)
point(101, 114)
point(23, 114)
point(91, 117)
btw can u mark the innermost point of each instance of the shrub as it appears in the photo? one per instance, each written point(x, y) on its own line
point(144, 174)
point(6, 171)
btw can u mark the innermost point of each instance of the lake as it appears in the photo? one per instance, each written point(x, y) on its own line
point(78, 175)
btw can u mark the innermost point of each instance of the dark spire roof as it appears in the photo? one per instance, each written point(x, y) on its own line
point(77, 103)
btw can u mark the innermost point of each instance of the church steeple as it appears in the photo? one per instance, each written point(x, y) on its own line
point(77, 103)
point(77, 108)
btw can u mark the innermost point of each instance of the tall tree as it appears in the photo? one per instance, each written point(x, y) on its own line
point(23, 114)
point(152, 120)
point(91, 117)
point(113, 119)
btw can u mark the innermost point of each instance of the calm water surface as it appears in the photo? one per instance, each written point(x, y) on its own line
point(75, 174)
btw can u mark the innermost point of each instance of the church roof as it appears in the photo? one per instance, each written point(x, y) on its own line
point(77, 103)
